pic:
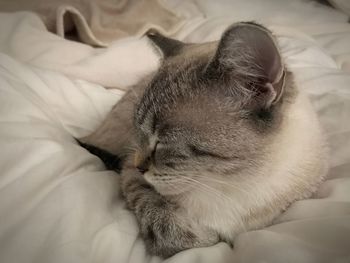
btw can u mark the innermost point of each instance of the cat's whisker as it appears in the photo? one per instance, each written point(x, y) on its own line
point(200, 186)
point(209, 187)
point(212, 190)
point(174, 183)
point(225, 183)
point(209, 190)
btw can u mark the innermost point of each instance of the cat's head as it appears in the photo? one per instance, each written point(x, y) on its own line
point(211, 111)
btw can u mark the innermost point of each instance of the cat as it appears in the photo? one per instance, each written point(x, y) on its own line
point(218, 141)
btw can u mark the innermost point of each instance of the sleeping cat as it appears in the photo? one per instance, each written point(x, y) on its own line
point(218, 141)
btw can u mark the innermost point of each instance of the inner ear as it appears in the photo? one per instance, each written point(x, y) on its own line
point(167, 46)
point(248, 53)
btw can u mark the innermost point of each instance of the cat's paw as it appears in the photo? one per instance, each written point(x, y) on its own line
point(165, 239)
point(165, 234)
point(134, 187)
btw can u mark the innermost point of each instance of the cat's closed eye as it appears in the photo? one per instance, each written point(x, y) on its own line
point(169, 156)
point(199, 152)
point(170, 164)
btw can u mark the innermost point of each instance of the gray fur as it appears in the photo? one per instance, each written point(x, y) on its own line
point(163, 232)
point(210, 114)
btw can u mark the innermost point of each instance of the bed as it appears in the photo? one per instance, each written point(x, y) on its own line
point(58, 203)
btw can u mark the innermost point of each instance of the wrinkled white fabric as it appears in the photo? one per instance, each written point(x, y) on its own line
point(24, 37)
point(57, 202)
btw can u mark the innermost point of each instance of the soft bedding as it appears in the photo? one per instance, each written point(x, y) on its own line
point(59, 204)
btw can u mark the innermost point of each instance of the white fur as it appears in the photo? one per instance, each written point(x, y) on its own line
point(296, 165)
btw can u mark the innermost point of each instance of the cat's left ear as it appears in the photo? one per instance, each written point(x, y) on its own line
point(167, 46)
point(248, 52)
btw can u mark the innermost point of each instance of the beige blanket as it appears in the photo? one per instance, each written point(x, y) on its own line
point(99, 22)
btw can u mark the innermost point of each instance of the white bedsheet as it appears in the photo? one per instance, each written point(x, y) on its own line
point(57, 202)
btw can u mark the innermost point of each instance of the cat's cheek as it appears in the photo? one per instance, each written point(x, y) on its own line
point(165, 187)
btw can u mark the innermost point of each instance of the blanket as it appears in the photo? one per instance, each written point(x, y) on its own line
point(59, 204)
point(122, 64)
point(100, 22)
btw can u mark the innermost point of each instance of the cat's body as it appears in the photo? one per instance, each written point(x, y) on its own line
point(223, 141)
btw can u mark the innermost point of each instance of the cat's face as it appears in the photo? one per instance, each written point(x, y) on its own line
point(209, 112)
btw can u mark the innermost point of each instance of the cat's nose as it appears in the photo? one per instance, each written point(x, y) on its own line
point(142, 168)
point(141, 163)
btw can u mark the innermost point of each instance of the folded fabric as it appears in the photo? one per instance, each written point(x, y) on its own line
point(57, 201)
point(98, 23)
point(59, 204)
point(342, 5)
point(24, 37)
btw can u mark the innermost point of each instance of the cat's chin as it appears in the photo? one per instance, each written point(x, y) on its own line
point(165, 188)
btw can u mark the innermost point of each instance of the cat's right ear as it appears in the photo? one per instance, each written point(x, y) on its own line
point(248, 54)
point(168, 47)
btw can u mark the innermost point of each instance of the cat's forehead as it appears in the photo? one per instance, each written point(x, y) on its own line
point(200, 116)
point(177, 97)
